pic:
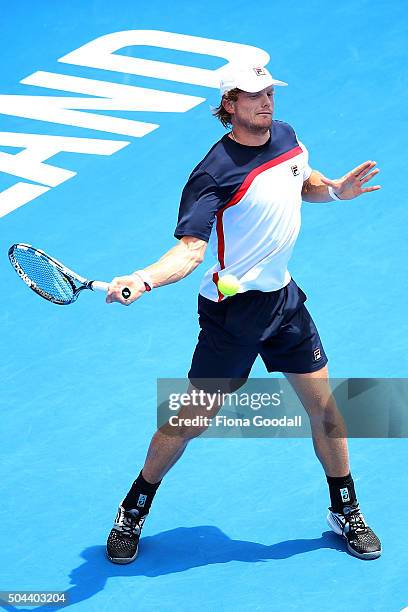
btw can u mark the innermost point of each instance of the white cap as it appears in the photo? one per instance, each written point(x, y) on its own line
point(250, 78)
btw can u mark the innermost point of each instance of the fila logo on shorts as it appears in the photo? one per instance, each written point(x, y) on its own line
point(295, 170)
point(317, 354)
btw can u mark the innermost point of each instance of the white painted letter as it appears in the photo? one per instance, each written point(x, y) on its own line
point(29, 164)
point(19, 194)
point(111, 96)
point(102, 53)
point(54, 109)
point(119, 97)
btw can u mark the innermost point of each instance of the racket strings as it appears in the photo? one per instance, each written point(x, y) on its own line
point(48, 279)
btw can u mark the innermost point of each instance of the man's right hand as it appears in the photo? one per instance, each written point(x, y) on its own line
point(133, 282)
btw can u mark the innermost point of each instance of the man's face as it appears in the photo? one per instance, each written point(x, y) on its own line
point(253, 111)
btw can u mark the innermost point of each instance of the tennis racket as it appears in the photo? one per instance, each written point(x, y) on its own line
point(49, 277)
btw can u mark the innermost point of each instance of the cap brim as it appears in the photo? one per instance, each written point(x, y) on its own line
point(282, 83)
point(251, 85)
point(256, 87)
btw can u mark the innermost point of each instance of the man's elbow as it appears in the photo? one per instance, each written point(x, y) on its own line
point(196, 249)
point(198, 259)
point(194, 260)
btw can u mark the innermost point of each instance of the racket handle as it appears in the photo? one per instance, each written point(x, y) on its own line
point(101, 286)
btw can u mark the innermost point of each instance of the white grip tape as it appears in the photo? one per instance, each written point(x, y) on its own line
point(100, 286)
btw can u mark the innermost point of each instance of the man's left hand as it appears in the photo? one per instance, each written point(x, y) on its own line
point(351, 184)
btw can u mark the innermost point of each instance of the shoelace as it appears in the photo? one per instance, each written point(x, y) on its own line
point(356, 522)
point(130, 526)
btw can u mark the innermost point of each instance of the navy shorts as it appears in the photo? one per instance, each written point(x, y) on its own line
point(275, 325)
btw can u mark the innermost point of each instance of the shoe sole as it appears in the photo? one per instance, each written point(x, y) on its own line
point(337, 529)
point(120, 560)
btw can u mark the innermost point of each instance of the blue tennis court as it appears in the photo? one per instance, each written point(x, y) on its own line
point(238, 524)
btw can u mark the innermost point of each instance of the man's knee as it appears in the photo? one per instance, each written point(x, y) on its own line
point(190, 422)
point(186, 428)
point(193, 419)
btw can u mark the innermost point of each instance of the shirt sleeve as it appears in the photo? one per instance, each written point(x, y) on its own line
point(199, 204)
point(307, 170)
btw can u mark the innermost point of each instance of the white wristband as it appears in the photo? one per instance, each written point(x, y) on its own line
point(333, 195)
point(145, 278)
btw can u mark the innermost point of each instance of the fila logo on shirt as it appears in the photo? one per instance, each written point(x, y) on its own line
point(345, 494)
point(295, 170)
point(317, 354)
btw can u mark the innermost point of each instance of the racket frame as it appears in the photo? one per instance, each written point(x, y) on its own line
point(70, 276)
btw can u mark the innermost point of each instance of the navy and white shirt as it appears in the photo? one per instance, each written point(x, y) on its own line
point(245, 201)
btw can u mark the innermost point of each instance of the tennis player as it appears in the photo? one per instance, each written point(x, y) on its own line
point(245, 198)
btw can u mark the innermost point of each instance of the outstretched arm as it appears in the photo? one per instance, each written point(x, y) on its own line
point(174, 265)
point(349, 186)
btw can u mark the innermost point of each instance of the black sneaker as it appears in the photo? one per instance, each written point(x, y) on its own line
point(123, 540)
point(361, 540)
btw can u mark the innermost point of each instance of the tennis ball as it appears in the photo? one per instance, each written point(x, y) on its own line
point(228, 285)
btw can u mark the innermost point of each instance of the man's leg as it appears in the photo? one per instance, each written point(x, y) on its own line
point(170, 441)
point(166, 448)
point(328, 430)
point(330, 443)
point(227, 365)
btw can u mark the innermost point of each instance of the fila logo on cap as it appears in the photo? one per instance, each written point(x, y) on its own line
point(259, 71)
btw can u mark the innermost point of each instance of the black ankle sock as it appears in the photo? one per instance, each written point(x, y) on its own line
point(141, 495)
point(342, 492)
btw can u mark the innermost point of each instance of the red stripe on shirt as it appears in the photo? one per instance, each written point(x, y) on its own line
point(215, 280)
point(249, 179)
